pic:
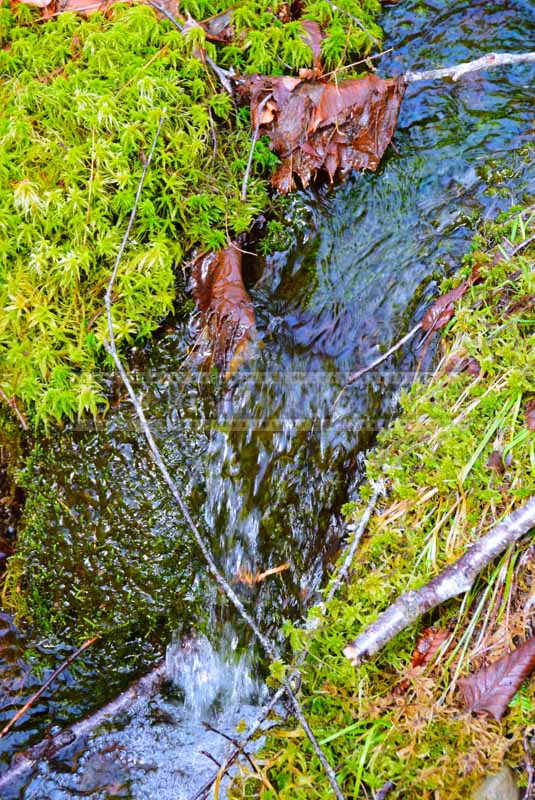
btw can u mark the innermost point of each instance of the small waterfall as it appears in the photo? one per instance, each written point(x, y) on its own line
point(211, 680)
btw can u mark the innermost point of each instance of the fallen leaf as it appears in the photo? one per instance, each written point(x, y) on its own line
point(313, 38)
point(427, 645)
point(495, 462)
point(443, 308)
point(530, 415)
point(320, 125)
point(226, 309)
point(219, 28)
point(250, 578)
point(491, 689)
point(473, 367)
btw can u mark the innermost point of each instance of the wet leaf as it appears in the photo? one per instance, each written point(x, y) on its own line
point(427, 645)
point(530, 415)
point(226, 309)
point(219, 28)
point(443, 308)
point(491, 689)
point(313, 38)
point(250, 578)
point(319, 125)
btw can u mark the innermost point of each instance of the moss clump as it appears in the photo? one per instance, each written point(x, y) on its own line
point(81, 100)
point(387, 720)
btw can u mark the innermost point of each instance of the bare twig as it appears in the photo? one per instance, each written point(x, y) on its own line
point(253, 145)
point(222, 582)
point(373, 57)
point(395, 347)
point(20, 713)
point(456, 579)
point(13, 405)
point(384, 791)
point(357, 22)
point(485, 62)
point(223, 74)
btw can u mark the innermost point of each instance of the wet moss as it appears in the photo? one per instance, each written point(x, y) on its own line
point(387, 720)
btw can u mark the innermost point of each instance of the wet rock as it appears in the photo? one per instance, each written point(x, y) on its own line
point(501, 786)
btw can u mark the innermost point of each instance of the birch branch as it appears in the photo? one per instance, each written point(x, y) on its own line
point(489, 61)
point(456, 579)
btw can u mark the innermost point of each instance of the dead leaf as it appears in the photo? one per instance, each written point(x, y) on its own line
point(443, 308)
point(313, 38)
point(227, 312)
point(530, 415)
point(491, 689)
point(473, 367)
point(249, 578)
point(427, 645)
point(219, 28)
point(316, 125)
point(495, 462)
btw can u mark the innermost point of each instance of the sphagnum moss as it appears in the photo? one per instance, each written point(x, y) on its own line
point(387, 720)
point(80, 101)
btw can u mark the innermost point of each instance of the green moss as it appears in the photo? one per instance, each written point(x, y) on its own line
point(81, 100)
point(387, 720)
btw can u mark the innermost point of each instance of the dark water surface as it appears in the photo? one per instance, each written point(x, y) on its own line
point(266, 462)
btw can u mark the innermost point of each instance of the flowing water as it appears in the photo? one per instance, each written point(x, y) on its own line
point(266, 461)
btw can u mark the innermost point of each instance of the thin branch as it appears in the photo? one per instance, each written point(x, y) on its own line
point(456, 579)
point(489, 61)
point(20, 713)
point(253, 145)
point(222, 582)
point(222, 74)
point(395, 347)
point(384, 791)
point(46, 749)
point(13, 405)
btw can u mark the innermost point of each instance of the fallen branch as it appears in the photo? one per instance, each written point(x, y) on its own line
point(456, 579)
point(489, 61)
point(20, 713)
point(47, 749)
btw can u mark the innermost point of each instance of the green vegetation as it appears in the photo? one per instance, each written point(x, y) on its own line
point(81, 100)
point(387, 719)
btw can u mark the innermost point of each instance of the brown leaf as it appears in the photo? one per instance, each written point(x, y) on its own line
point(495, 462)
point(313, 38)
point(443, 308)
point(250, 578)
point(227, 312)
point(473, 367)
point(427, 646)
point(219, 28)
point(491, 689)
point(530, 415)
point(318, 125)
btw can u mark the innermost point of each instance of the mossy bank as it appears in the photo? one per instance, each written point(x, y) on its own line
point(81, 100)
point(460, 456)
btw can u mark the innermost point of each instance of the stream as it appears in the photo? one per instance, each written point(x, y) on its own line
point(267, 460)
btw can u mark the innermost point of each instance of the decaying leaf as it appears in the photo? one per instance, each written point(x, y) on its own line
point(530, 415)
point(491, 689)
point(443, 308)
point(313, 37)
point(227, 312)
point(495, 462)
point(320, 125)
point(219, 28)
point(250, 578)
point(427, 645)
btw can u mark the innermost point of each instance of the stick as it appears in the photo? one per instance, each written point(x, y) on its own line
point(13, 405)
point(384, 791)
point(485, 62)
point(46, 749)
point(222, 582)
point(222, 74)
point(395, 347)
point(456, 579)
point(20, 713)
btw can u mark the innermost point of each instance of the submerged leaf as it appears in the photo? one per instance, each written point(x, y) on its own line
point(227, 312)
point(318, 125)
point(491, 689)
